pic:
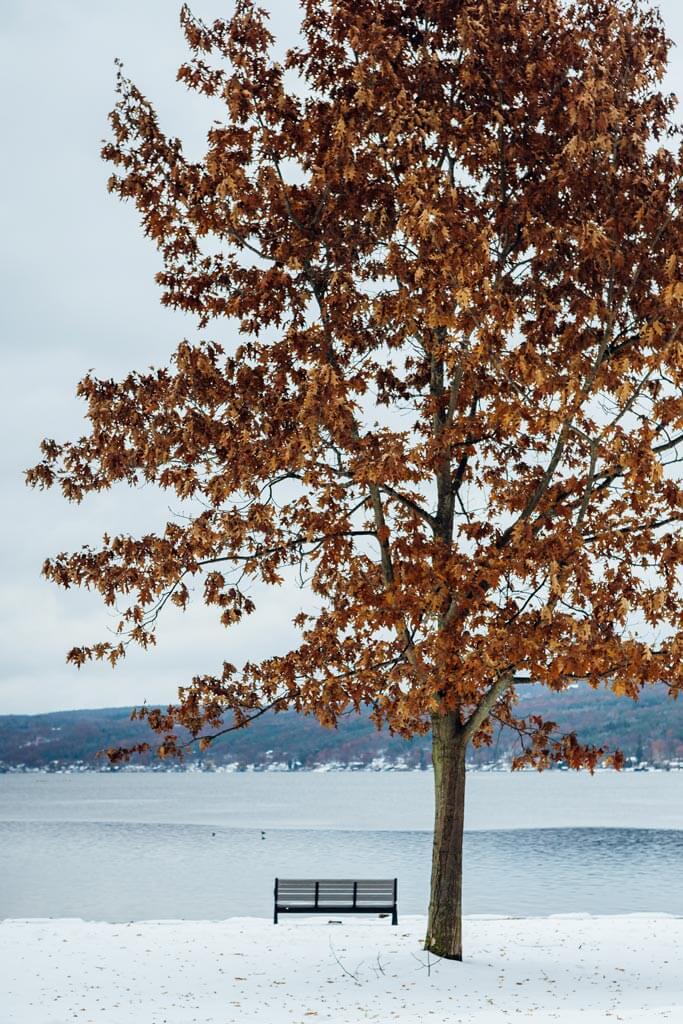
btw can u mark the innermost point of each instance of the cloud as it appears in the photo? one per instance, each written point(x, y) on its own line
point(78, 292)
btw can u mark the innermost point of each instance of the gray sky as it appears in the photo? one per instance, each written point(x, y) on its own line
point(78, 292)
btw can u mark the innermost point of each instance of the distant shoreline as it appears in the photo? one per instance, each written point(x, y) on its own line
point(648, 733)
point(197, 769)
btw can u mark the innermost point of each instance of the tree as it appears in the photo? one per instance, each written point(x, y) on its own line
point(449, 234)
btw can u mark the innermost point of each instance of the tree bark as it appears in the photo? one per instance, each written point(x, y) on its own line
point(444, 927)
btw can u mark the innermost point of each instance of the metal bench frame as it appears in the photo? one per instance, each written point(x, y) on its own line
point(304, 896)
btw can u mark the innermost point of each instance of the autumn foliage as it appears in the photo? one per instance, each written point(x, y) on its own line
point(448, 235)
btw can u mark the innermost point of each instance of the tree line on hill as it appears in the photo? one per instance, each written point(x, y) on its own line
point(650, 730)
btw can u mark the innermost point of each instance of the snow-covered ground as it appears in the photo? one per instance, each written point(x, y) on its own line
point(566, 968)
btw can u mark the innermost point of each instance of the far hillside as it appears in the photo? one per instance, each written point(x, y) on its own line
point(650, 730)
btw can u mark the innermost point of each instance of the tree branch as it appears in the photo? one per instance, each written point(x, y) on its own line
point(504, 681)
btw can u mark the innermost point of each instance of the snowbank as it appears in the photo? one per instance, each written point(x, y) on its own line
point(565, 968)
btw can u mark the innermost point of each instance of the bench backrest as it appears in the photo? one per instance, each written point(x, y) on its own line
point(339, 892)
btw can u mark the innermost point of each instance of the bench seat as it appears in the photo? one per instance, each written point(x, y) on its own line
point(336, 896)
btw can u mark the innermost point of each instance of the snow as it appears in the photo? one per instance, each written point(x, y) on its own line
point(567, 968)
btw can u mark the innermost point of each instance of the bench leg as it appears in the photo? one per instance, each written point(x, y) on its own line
point(275, 916)
point(394, 916)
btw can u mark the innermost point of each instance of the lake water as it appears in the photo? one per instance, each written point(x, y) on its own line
point(122, 847)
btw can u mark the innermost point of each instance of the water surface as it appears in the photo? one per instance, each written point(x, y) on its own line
point(138, 846)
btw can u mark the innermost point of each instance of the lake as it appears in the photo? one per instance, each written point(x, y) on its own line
point(126, 846)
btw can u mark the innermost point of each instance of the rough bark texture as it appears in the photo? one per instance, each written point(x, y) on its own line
point(444, 927)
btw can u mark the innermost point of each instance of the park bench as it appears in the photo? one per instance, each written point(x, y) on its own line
point(336, 896)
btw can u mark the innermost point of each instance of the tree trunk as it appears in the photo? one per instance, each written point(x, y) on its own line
point(444, 927)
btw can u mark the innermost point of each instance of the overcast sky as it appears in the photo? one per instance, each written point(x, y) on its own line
point(78, 292)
